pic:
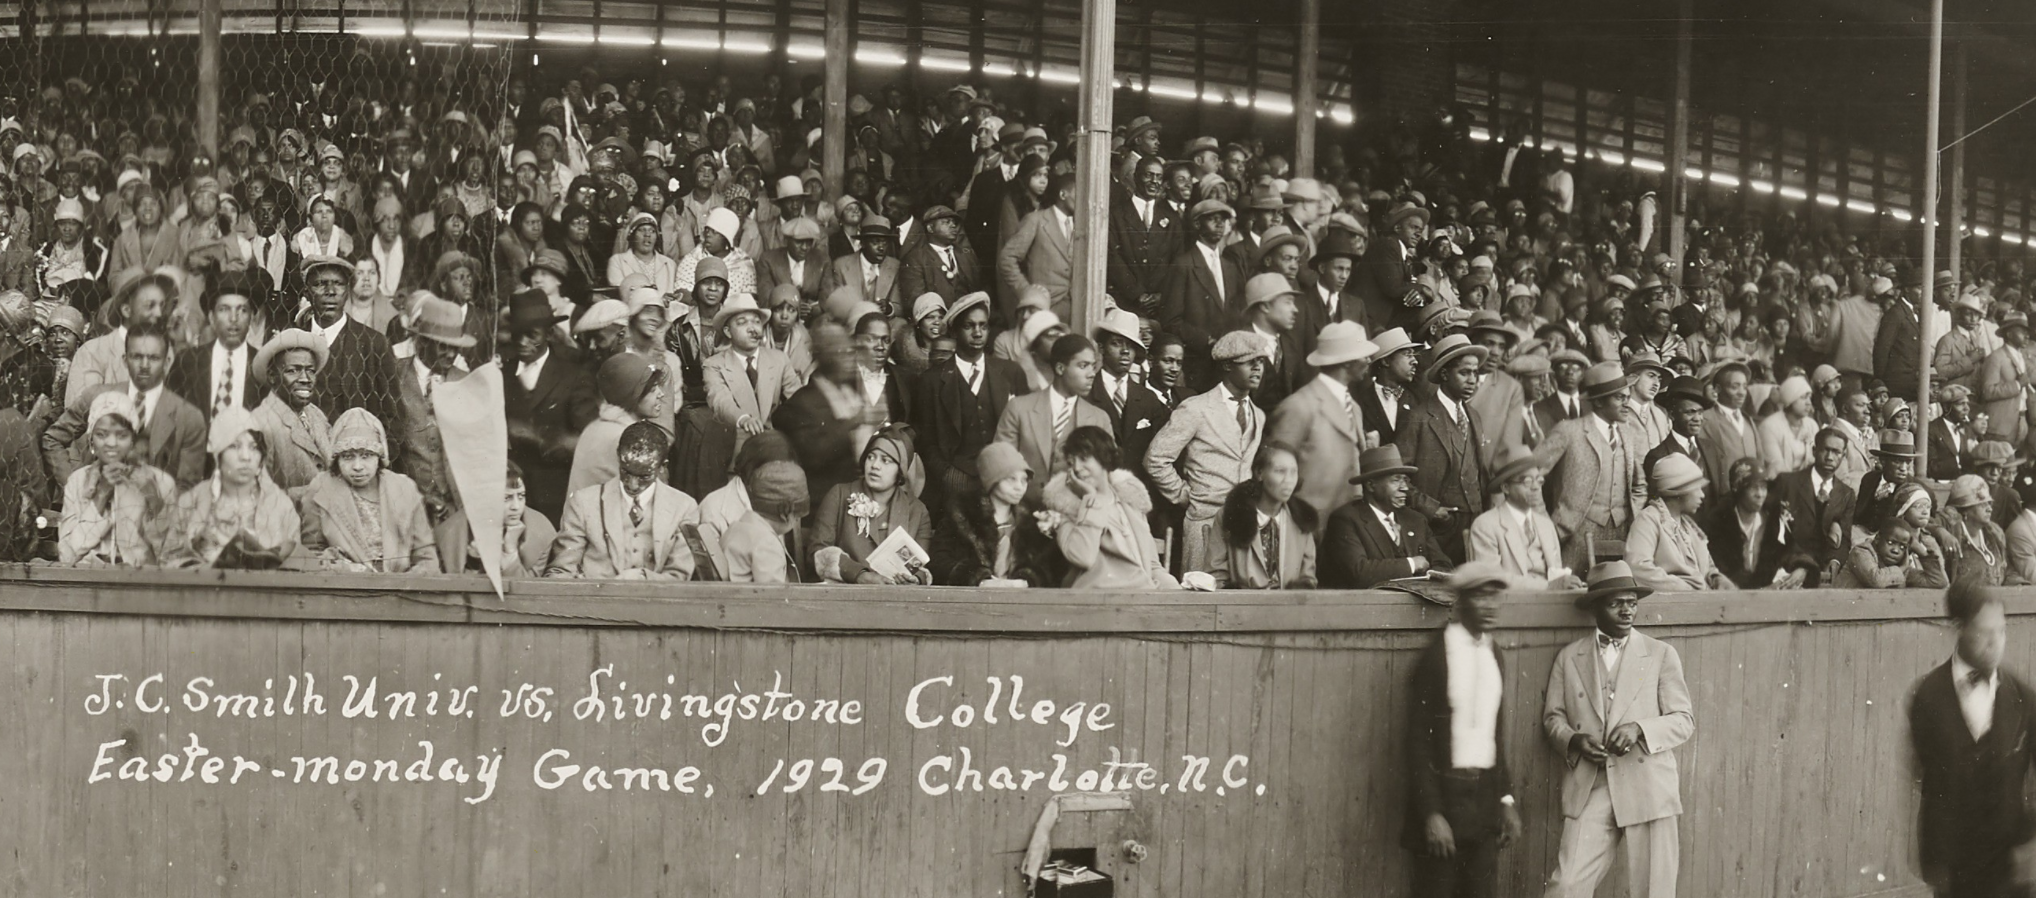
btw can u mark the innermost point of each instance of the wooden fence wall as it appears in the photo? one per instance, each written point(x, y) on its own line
point(1796, 782)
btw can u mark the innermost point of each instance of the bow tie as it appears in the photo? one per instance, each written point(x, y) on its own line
point(1607, 642)
point(1977, 678)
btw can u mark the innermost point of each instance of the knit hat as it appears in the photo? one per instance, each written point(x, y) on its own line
point(778, 489)
point(359, 429)
point(999, 461)
point(112, 403)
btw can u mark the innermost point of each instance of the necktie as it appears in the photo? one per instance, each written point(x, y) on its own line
point(1976, 678)
point(947, 262)
point(1117, 395)
point(1270, 536)
point(1243, 418)
point(635, 511)
point(752, 377)
point(140, 412)
point(976, 379)
point(1350, 410)
point(1063, 421)
point(1456, 415)
point(1824, 491)
point(222, 388)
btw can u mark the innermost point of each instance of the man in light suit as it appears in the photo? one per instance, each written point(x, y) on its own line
point(1517, 534)
point(1727, 434)
point(632, 527)
point(1321, 420)
point(1449, 488)
point(1042, 251)
point(1376, 537)
point(1972, 725)
point(1599, 483)
point(942, 263)
point(1039, 422)
point(1206, 447)
point(1616, 709)
point(870, 271)
point(746, 381)
point(794, 264)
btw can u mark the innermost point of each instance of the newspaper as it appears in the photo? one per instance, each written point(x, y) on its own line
point(897, 556)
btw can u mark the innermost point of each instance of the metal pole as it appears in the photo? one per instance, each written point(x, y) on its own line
point(1306, 61)
point(834, 93)
point(1957, 211)
point(208, 76)
point(1926, 309)
point(1675, 183)
point(1092, 164)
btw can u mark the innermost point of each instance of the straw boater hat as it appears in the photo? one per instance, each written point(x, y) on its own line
point(1379, 462)
point(1449, 349)
point(1611, 578)
point(1341, 342)
point(1392, 341)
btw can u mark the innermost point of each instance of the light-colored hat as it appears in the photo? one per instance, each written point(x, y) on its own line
point(114, 403)
point(1896, 442)
point(359, 429)
point(739, 304)
point(1264, 288)
point(961, 306)
point(1477, 575)
point(1341, 342)
point(1603, 380)
point(1449, 349)
point(294, 338)
point(1121, 322)
point(999, 461)
point(643, 297)
point(1793, 389)
point(1210, 207)
point(1035, 296)
point(723, 221)
point(1620, 280)
point(602, 314)
point(790, 186)
point(1039, 323)
point(227, 426)
point(313, 263)
point(68, 318)
point(928, 304)
point(69, 209)
point(1824, 375)
point(1969, 490)
point(1529, 364)
point(801, 228)
point(1240, 346)
point(1393, 341)
point(1954, 393)
point(440, 321)
point(1513, 461)
point(1676, 474)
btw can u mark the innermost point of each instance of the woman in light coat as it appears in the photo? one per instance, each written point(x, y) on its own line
point(1101, 526)
point(360, 516)
point(1665, 546)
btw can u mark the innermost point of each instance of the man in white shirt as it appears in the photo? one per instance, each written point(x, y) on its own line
point(1460, 806)
point(219, 379)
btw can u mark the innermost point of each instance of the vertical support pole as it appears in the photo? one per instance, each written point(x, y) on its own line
point(1926, 309)
point(834, 92)
point(1677, 185)
point(208, 76)
point(1306, 60)
point(1958, 211)
point(1092, 163)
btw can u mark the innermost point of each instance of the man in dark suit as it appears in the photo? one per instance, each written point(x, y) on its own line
point(1387, 274)
point(1460, 808)
point(960, 401)
point(1377, 537)
point(1973, 728)
point(1512, 163)
point(1566, 372)
point(1196, 304)
point(1685, 402)
point(1325, 289)
point(548, 397)
point(794, 263)
point(1817, 507)
point(986, 193)
point(1897, 344)
point(1449, 487)
point(361, 370)
point(170, 435)
point(1136, 413)
point(218, 376)
point(822, 436)
point(1951, 438)
point(942, 263)
point(1386, 394)
point(1271, 313)
point(1144, 235)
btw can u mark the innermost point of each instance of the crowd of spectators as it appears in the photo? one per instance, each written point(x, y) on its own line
point(1438, 350)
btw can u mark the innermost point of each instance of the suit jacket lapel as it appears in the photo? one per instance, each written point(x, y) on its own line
point(615, 521)
point(1586, 659)
point(664, 522)
point(160, 423)
point(1203, 274)
point(1338, 417)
